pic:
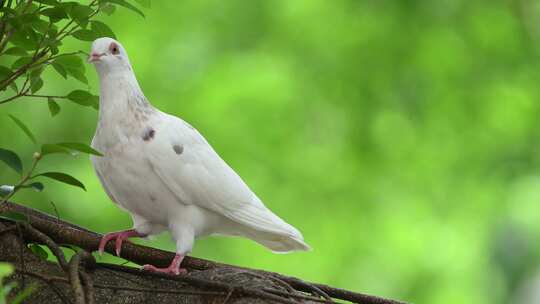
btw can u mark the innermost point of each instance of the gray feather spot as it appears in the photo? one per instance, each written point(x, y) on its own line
point(148, 134)
point(178, 149)
point(152, 198)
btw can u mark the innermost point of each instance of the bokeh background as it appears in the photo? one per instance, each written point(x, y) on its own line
point(401, 137)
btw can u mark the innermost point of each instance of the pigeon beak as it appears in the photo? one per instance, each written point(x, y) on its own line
point(94, 57)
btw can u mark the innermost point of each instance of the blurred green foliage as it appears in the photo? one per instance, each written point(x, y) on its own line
point(401, 137)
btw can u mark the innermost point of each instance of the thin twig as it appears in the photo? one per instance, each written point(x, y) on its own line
point(48, 60)
point(55, 211)
point(10, 98)
point(25, 94)
point(44, 96)
point(23, 180)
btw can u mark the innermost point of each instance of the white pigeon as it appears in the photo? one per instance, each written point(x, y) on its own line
point(166, 175)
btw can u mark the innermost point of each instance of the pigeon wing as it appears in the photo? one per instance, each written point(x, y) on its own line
point(189, 167)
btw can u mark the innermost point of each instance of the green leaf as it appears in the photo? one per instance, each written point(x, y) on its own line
point(36, 84)
point(5, 72)
point(101, 29)
point(55, 14)
point(41, 26)
point(79, 75)
point(48, 2)
point(72, 247)
point(85, 35)
point(73, 66)
point(39, 251)
point(36, 72)
point(20, 62)
point(8, 11)
point(54, 49)
point(37, 186)
point(82, 97)
point(70, 62)
point(13, 86)
point(54, 108)
point(25, 38)
point(23, 6)
point(52, 43)
point(11, 159)
point(14, 216)
point(51, 32)
point(144, 3)
point(80, 12)
point(51, 149)
point(15, 23)
point(80, 147)
point(6, 269)
point(126, 5)
point(60, 69)
point(24, 128)
point(16, 51)
point(67, 147)
point(28, 18)
point(64, 178)
point(107, 8)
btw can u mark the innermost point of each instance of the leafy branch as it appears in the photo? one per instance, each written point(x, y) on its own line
point(32, 33)
point(27, 180)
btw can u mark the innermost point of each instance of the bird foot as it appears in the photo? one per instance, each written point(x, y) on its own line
point(174, 268)
point(120, 236)
point(169, 270)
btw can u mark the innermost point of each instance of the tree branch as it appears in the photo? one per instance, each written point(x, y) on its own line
point(63, 232)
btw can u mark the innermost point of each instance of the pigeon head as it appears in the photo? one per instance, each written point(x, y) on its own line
point(108, 55)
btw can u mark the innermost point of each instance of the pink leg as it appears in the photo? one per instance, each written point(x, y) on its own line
point(120, 236)
point(174, 268)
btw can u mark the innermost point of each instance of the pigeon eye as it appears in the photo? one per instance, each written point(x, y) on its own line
point(115, 50)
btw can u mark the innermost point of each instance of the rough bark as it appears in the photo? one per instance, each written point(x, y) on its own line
point(82, 280)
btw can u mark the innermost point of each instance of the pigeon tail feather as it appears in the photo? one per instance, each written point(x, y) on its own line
point(269, 230)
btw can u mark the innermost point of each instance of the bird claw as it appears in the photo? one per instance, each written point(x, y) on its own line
point(174, 268)
point(104, 240)
point(168, 270)
point(120, 236)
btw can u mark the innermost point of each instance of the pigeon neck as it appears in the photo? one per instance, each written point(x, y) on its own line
point(120, 95)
